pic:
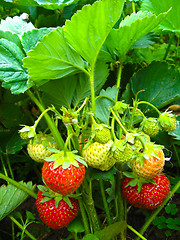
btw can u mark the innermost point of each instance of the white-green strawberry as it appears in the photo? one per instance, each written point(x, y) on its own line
point(167, 122)
point(98, 155)
point(38, 147)
point(150, 126)
point(122, 151)
point(102, 133)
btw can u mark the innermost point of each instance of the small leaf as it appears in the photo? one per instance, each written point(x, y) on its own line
point(76, 226)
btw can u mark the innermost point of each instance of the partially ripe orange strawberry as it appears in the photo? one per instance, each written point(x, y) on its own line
point(148, 163)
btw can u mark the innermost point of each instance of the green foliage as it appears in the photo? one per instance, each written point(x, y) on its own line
point(171, 22)
point(11, 197)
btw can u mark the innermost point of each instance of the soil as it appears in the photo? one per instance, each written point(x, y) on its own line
point(136, 219)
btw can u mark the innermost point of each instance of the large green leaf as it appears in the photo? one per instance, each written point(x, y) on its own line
point(160, 82)
point(52, 58)
point(59, 92)
point(15, 25)
point(12, 37)
point(131, 29)
point(24, 3)
point(88, 29)
point(11, 197)
point(11, 70)
point(172, 21)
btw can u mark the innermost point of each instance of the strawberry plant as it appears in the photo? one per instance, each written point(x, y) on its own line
point(95, 117)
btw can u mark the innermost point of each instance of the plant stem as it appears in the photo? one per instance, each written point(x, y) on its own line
point(147, 103)
point(105, 202)
point(117, 119)
point(155, 213)
point(22, 228)
point(9, 166)
point(4, 167)
point(91, 79)
point(50, 123)
point(136, 232)
point(83, 214)
point(89, 202)
point(118, 82)
point(133, 7)
point(19, 185)
point(169, 45)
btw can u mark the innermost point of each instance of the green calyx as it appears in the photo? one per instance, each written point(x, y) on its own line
point(120, 107)
point(65, 159)
point(69, 116)
point(43, 139)
point(167, 122)
point(49, 194)
point(137, 181)
point(27, 132)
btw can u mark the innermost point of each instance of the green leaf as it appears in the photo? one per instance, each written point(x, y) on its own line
point(104, 102)
point(131, 29)
point(76, 225)
point(161, 84)
point(24, 3)
point(90, 236)
point(11, 197)
point(88, 29)
point(32, 37)
point(15, 25)
point(97, 174)
point(11, 70)
point(52, 58)
point(55, 4)
point(111, 231)
point(12, 37)
point(59, 92)
point(171, 209)
point(172, 21)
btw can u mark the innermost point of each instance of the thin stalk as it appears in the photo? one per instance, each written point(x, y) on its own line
point(136, 232)
point(105, 202)
point(147, 103)
point(50, 123)
point(21, 227)
point(83, 214)
point(4, 167)
point(9, 166)
point(169, 46)
point(19, 185)
point(155, 213)
point(13, 232)
point(133, 7)
point(117, 119)
point(118, 82)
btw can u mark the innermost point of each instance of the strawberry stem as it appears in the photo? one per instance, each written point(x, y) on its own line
point(52, 126)
point(156, 212)
point(105, 202)
point(118, 82)
point(117, 119)
point(147, 103)
point(21, 227)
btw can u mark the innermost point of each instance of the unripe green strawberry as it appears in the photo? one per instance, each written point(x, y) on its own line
point(38, 147)
point(97, 155)
point(102, 133)
point(167, 122)
point(122, 151)
point(24, 135)
point(150, 126)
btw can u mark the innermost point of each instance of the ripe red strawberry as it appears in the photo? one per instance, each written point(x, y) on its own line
point(63, 173)
point(149, 163)
point(56, 216)
point(150, 195)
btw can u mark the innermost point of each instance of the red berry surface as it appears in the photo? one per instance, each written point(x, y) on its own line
point(56, 217)
point(150, 196)
point(63, 181)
